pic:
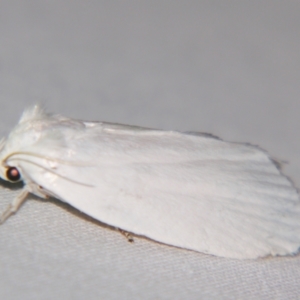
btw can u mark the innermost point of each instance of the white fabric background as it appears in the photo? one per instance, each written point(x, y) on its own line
point(231, 68)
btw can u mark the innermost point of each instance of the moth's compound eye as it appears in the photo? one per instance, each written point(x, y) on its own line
point(13, 174)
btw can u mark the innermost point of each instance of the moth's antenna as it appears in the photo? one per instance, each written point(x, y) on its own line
point(53, 172)
point(65, 162)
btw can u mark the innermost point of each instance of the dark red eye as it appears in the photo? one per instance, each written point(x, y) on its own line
point(13, 174)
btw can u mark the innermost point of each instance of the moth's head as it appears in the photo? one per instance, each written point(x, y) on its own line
point(36, 137)
point(21, 136)
point(8, 172)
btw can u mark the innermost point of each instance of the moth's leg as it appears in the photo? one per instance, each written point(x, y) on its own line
point(127, 235)
point(37, 190)
point(14, 206)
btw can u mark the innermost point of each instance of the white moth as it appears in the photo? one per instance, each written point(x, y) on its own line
point(187, 190)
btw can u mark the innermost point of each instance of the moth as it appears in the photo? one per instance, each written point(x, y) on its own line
point(189, 190)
